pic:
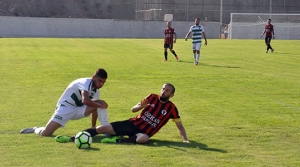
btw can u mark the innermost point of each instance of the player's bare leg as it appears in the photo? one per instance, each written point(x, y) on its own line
point(89, 109)
point(142, 138)
point(50, 128)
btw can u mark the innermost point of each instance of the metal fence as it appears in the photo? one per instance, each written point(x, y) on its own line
point(210, 10)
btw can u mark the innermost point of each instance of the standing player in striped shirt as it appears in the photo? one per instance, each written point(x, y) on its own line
point(269, 31)
point(170, 38)
point(197, 34)
point(156, 112)
point(79, 100)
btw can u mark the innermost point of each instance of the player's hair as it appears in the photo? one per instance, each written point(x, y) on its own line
point(197, 19)
point(269, 19)
point(100, 72)
point(173, 87)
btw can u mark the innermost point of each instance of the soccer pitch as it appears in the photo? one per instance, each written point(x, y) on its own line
point(240, 106)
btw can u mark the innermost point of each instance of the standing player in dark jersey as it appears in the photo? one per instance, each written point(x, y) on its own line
point(156, 112)
point(168, 40)
point(269, 31)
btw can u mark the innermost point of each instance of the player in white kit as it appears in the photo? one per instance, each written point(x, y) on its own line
point(197, 32)
point(80, 99)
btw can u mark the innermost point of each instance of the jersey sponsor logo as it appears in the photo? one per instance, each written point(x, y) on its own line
point(57, 117)
point(152, 105)
point(164, 112)
point(150, 119)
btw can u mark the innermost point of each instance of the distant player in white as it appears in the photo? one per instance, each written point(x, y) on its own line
point(197, 34)
point(79, 100)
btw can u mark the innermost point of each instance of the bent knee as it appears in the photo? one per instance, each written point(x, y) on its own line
point(102, 103)
point(142, 138)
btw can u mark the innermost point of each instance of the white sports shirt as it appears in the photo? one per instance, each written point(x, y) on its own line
point(197, 33)
point(72, 94)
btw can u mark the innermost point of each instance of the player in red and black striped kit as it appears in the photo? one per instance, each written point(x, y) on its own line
point(156, 112)
point(269, 31)
point(155, 115)
point(169, 40)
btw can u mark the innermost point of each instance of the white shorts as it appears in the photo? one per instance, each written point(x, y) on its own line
point(196, 46)
point(63, 114)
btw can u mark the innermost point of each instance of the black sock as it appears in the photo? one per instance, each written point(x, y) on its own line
point(173, 51)
point(166, 55)
point(270, 47)
point(91, 131)
point(72, 138)
point(131, 139)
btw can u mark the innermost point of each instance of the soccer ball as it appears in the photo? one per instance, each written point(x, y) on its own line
point(83, 139)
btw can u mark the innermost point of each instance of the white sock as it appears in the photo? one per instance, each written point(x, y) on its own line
point(102, 116)
point(38, 130)
point(197, 57)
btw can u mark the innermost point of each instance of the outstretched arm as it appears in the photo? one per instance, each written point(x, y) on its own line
point(182, 132)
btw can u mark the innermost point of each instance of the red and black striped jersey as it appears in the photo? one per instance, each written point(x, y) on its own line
point(269, 30)
point(155, 116)
point(169, 32)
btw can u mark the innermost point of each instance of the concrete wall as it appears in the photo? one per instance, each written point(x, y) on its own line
point(94, 28)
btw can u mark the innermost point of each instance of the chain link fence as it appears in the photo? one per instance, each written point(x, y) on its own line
point(210, 10)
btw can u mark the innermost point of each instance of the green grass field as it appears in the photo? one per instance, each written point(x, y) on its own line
point(240, 106)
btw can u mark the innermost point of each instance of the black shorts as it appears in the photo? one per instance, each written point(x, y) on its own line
point(268, 40)
point(170, 46)
point(126, 127)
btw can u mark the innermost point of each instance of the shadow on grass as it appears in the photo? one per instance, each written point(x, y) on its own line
point(171, 144)
point(210, 65)
point(192, 144)
point(90, 149)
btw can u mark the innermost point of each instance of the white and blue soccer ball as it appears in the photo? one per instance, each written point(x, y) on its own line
point(83, 139)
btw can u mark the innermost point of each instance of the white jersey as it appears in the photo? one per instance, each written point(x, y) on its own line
point(72, 94)
point(197, 33)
